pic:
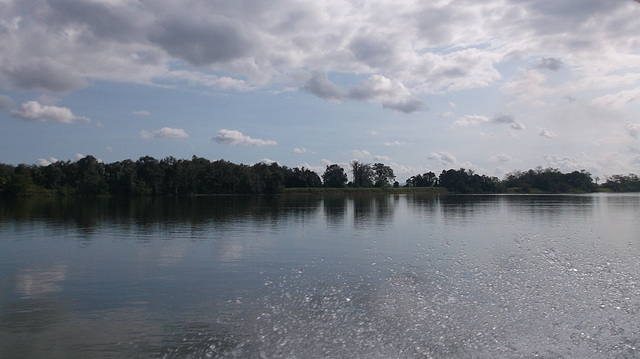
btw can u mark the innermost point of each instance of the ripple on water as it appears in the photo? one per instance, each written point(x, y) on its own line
point(542, 300)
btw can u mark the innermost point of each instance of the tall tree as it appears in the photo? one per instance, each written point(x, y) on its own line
point(383, 175)
point(91, 178)
point(334, 176)
point(362, 174)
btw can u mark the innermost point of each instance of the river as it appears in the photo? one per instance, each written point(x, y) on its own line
point(312, 276)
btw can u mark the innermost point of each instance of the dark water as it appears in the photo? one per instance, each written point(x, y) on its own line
point(386, 276)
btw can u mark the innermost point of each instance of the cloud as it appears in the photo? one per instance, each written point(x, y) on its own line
point(550, 63)
point(409, 105)
point(267, 161)
point(204, 79)
point(508, 119)
point(321, 86)
point(372, 133)
point(141, 113)
point(42, 162)
point(547, 133)
point(477, 120)
point(34, 111)
point(395, 143)
point(378, 87)
point(633, 129)
point(530, 87)
point(201, 40)
point(299, 150)
point(391, 93)
point(6, 103)
point(428, 46)
point(618, 100)
point(501, 158)
point(566, 163)
point(165, 132)
point(360, 154)
point(233, 137)
point(443, 158)
point(382, 158)
point(43, 74)
point(471, 120)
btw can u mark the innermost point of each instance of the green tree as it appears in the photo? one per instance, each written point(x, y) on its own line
point(428, 179)
point(383, 175)
point(301, 178)
point(334, 176)
point(363, 174)
point(150, 173)
point(91, 178)
point(18, 185)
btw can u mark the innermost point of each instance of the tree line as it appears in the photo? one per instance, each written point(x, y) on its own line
point(170, 176)
point(179, 177)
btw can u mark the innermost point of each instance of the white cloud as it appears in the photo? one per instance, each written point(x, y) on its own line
point(395, 143)
point(477, 120)
point(165, 132)
point(391, 93)
point(321, 86)
point(360, 154)
point(142, 113)
point(471, 120)
point(382, 158)
point(233, 137)
point(299, 150)
point(550, 63)
point(618, 100)
point(43, 162)
point(34, 111)
point(443, 158)
point(501, 158)
point(433, 46)
point(203, 79)
point(567, 163)
point(372, 133)
point(267, 161)
point(633, 129)
point(531, 87)
point(547, 133)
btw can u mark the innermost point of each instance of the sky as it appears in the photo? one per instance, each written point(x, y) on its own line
point(492, 86)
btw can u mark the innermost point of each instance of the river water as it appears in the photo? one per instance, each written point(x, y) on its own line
point(357, 276)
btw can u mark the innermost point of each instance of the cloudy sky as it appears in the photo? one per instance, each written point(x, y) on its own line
point(493, 86)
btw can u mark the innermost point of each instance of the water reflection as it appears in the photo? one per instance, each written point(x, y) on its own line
point(31, 282)
point(335, 207)
point(321, 276)
point(372, 209)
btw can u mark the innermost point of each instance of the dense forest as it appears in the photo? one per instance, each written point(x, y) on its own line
point(179, 177)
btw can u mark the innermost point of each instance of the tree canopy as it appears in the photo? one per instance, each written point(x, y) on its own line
point(334, 176)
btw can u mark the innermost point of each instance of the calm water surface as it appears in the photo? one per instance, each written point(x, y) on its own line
point(384, 276)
